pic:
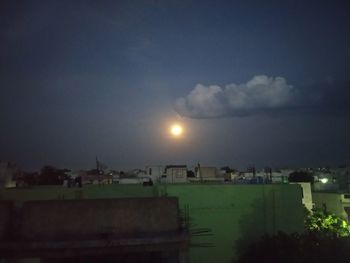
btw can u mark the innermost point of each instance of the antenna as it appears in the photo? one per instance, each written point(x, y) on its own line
point(97, 164)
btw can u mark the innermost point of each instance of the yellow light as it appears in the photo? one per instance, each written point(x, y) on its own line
point(176, 130)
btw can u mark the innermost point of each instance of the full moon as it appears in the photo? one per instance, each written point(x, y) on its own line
point(176, 130)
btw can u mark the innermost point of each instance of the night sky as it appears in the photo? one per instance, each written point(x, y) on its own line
point(252, 82)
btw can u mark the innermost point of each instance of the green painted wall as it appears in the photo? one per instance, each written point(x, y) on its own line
point(238, 214)
point(235, 214)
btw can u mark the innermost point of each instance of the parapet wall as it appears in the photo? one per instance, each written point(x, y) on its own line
point(92, 219)
point(5, 218)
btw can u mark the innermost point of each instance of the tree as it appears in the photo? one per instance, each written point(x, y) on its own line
point(296, 248)
point(190, 173)
point(325, 239)
point(50, 175)
point(30, 178)
point(326, 224)
point(301, 176)
point(227, 169)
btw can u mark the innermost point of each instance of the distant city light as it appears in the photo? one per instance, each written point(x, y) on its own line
point(324, 180)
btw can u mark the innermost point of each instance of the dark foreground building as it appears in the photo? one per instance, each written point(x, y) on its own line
point(109, 230)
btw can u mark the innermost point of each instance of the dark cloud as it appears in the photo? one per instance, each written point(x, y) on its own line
point(326, 97)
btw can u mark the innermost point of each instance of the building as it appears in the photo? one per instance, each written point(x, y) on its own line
point(155, 172)
point(342, 175)
point(332, 179)
point(331, 191)
point(103, 229)
point(207, 172)
point(280, 176)
point(335, 203)
point(175, 174)
point(9, 173)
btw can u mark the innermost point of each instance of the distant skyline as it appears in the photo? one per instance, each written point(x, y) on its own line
point(251, 82)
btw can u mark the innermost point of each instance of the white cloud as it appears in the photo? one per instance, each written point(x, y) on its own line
point(261, 93)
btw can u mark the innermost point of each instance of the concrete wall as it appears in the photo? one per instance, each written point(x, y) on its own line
point(88, 219)
point(307, 195)
point(5, 218)
point(326, 187)
point(333, 202)
point(86, 192)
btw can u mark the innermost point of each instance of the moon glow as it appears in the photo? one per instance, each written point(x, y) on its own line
point(176, 130)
